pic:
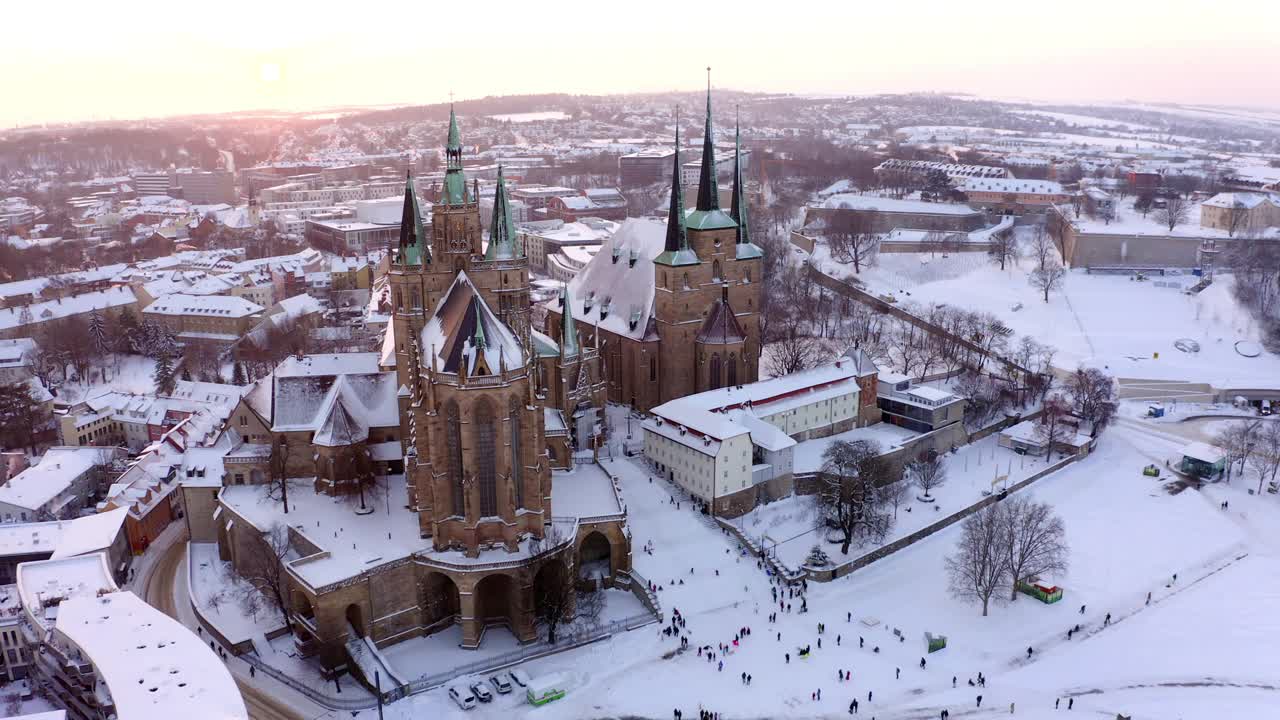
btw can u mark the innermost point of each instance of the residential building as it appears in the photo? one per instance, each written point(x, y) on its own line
point(868, 213)
point(105, 653)
point(1240, 212)
point(918, 171)
point(603, 203)
point(64, 482)
point(536, 197)
point(544, 239)
point(214, 319)
point(26, 320)
point(732, 447)
point(645, 167)
point(350, 236)
point(920, 408)
point(1010, 196)
point(206, 187)
point(30, 541)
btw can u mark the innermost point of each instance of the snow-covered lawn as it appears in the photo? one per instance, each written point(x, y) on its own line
point(1128, 535)
point(1108, 321)
point(135, 374)
point(788, 525)
point(217, 590)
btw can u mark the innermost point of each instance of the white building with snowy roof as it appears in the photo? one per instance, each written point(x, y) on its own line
point(733, 446)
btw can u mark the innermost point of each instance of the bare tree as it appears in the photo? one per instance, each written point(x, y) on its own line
point(1175, 212)
point(978, 569)
point(1093, 397)
point(278, 465)
point(21, 415)
point(1265, 459)
point(261, 564)
point(928, 471)
point(1034, 541)
point(1237, 216)
point(895, 493)
point(1041, 246)
point(1003, 249)
point(1048, 278)
point(1238, 441)
point(793, 353)
point(848, 491)
point(1052, 429)
point(851, 236)
point(554, 594)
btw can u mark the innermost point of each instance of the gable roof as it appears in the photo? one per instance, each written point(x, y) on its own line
point(721, 326)
point(621, 277)
point(465, 334)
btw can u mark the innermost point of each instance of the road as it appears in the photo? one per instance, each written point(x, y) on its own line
point(159, 593)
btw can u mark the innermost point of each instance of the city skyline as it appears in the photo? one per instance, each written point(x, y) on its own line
point(178, 61)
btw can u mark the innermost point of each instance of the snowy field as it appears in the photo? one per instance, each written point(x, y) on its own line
point(1210, 632)
point(135, 374)
point(788, 525)
point(1104, 320)
point(217, 590)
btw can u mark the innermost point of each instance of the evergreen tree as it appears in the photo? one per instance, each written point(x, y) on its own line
point(127, 332)
point(817, 558)
point(98, 332)
point(237, 374)
point(163, 375)
point(186, 373)
point(20, 412)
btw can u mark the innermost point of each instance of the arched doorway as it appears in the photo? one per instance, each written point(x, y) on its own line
point(355, 618)
point(595, 556)
point(439, 600)
point(494, 596)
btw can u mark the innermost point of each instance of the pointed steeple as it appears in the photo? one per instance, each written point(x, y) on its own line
point(413, 248)
point(708, 188)
point(502, 234)
point(676, 250)
point(568, 328)
point(455, 184)
point(738, 210)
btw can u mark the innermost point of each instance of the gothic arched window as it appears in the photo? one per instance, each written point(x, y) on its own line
point(486, 462)
point(417, 299)
point(517, 476)
point(715, 270)
point(715, 370)
point(453, 443)
point(733, 370)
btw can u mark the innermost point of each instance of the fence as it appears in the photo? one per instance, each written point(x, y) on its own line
point(497, 662)
point(858, 563)
point(330, 701)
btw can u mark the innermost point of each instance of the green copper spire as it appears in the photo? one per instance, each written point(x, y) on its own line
point(568, 328)
point(413, 248)
point(455, 184)
point(502, 234)
point(708, 189)
point(708, 215)
point(745, 248)
point(676, 251)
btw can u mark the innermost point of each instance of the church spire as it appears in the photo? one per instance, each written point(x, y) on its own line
point(413, 250)
point(568, 328)
point(708, 190)
point(738, 210)
point(455, 184)
point(502, 236)
point(677, 239)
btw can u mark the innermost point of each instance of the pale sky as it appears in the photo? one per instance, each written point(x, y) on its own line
point(68, 60)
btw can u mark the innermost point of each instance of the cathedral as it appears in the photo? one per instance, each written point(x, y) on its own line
point(674, 306)
point(489, 410)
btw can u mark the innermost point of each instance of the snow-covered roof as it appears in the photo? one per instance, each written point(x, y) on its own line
point(327, 364)
point(618, 282)
point(1012, 185)
point(203, 305)
point(55, 581)
point(849, 201)
point(12, 317)
point(1203, 452)
point(336, 406)
point(463, 333)
point(89, 534)
point(153, 666)
point(1245, 200)
point(584, 491)
point(58, 468)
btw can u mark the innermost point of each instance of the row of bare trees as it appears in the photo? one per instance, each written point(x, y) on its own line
point(1252, 444)
point(1012, 541)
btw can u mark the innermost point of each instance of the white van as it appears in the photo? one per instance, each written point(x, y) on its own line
point(462, 696)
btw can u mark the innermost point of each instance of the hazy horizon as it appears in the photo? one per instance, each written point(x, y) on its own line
point(97, 62)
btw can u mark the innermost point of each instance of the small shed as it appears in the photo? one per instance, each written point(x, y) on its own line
point(1202, 460)
point(1043, 590)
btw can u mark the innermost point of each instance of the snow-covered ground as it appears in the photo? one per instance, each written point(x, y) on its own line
point(217, 591)
point(788, 525)
point(1210, 632)
point(135, 374)
point(1104, 320)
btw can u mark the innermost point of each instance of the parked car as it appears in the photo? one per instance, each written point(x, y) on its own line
point(519, 677)
point(462, 696)
point(481, 692)
point(500, 683)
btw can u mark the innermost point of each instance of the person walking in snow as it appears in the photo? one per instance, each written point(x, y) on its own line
point(1028, 653)
point(897, 673)
point(1070, 703)
point(953, 682)
point(859, 642)
point(979, 701)
point(1055, 703)
point(788, 657)
point(853, 707)
point(1107, 620)
point(1082, 609)
point(1010, 708)
point(922, 663)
